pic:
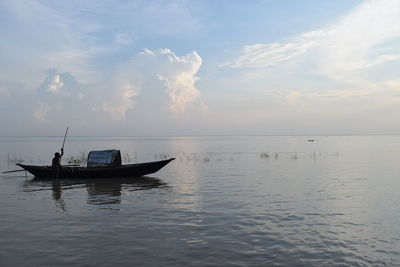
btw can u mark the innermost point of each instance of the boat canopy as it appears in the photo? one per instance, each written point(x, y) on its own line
point(104, 158)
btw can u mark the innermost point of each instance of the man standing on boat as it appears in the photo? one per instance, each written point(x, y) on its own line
point(56, 163)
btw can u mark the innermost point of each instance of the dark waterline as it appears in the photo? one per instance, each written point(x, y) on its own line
point(225, 201)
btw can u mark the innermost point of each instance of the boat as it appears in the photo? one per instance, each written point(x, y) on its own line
point(100, 164)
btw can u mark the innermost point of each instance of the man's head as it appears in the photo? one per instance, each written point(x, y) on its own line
point(57, 155)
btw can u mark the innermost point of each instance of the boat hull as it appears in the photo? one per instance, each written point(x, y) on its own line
point(130, 170)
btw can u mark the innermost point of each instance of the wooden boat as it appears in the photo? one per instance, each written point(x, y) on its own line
point(129, 170)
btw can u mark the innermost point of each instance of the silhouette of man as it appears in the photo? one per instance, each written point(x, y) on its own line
point(56, 163)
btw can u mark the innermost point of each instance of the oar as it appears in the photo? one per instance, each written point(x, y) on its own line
point(14, 171)
point(65, 136)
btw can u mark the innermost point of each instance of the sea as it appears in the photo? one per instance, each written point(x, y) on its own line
point(223, 201)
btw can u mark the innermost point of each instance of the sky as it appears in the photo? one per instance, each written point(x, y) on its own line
point(227, 67)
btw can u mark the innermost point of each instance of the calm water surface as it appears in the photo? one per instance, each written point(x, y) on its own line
point(224, 201)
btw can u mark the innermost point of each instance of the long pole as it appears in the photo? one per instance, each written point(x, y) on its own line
point(14, 171)
point(58, 167)
point(65, 136)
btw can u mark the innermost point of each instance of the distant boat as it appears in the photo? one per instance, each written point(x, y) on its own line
point(100, 164)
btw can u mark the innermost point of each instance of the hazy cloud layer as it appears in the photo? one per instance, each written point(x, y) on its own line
point(100, 81)
point(350, 44)
point(74, 35)
point(365, 38)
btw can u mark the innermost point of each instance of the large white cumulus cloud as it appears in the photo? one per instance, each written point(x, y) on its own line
point(178, 75)
point(167, 78)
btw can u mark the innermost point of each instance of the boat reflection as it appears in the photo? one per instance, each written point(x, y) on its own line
point(99, 191)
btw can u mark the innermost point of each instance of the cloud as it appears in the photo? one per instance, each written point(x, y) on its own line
point(41, 111)
point(266, 55)
point(53, 82)
point(393, 84)
point(78, 37)
point(37, 36)
point(61, 84)
point(158, 79)
point(373, 94)
point(7, 87)
point(180, 82)
point(350, 62)
point(123, 39)
point(119, 100)
point(60, 94)
point(176, 74)
point(361, 39)
point(95, 73)
point(57, 94)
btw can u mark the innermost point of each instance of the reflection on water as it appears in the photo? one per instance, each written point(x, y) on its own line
point(100, 191)
point(57, 194)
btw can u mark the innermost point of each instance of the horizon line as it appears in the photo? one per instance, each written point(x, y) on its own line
point(200, 135)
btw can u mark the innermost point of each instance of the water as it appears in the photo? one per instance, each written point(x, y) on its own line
point(224, 201)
